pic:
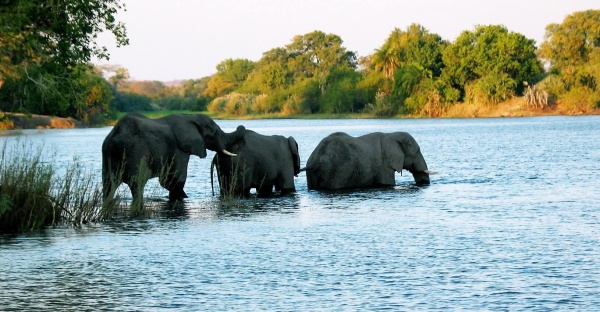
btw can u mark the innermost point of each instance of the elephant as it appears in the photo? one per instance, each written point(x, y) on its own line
point(163, 147)
point(341, 161)
point(263, 162)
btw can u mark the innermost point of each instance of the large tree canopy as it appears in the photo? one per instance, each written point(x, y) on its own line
point(415, 46)
point(572, 51)
point(491, 55)
point(44, 44)
point(573, 42)
point(58, 31)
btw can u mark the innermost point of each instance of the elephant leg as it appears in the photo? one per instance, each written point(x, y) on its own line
point(137, 192)
point(174, 184)
point(286, 184)
point(172, 176)
point(265, 191)
point(177, 194)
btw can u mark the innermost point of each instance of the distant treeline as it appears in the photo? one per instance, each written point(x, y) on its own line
point(414, 72)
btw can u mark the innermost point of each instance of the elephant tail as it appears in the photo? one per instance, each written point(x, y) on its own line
point(305, 169)
point(212, 168)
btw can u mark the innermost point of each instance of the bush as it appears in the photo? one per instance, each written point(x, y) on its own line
point(383, 106)
point(5, 122)
point(579, 100)
point(294, 105)
point(232, 103)
point(491, 89)
point(431, 98)
point(261, 104)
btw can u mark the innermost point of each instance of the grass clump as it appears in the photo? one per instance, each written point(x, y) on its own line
point(33, 194)
point(25, 188)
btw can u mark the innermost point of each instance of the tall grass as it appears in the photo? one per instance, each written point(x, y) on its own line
point(33, 194)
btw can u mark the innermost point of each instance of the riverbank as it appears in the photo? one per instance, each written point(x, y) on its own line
point(10, 121)
point(515, 107)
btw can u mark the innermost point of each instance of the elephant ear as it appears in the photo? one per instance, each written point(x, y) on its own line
point(295, 155)
point(189, 137)
point(392, 152)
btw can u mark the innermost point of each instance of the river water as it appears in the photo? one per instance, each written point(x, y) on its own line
point(510, 222)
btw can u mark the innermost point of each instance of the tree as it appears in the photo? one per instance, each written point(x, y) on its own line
point(94, 108)
point(407, 60)
point(572, 51)
point(416, 45)
point(231, 74)
point(316, 54)
point(42, 43)
point(115, 74)
point(571, 43)
point(491, 51)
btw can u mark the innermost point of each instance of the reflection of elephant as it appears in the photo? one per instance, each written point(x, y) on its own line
point(341, 161)
point(163, 146)
point(263, 162)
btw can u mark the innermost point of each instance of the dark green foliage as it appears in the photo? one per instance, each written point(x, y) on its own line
point(46, 46)
point(81, 93)
point(572, 50)
point(131, 102)
point(493, 54)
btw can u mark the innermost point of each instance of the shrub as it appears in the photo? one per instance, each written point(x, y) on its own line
point(431, 98)
point(261, 104)
point(5, 122)
point(383, 106)
point(579, 100)
point(294, 105)
point(537, 97)
point(238, 103)
point(491, 89)
point(217, 105)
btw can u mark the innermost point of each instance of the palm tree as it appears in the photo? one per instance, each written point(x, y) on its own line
point(387, 58)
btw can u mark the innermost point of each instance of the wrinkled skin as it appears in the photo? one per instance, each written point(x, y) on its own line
point(341, 161)
point(263, 162)
point(164, 145)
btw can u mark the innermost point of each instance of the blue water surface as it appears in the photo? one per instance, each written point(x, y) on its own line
point(511, 221)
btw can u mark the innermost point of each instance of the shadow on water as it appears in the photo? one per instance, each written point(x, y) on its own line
point(360, 198)
point(245, 207)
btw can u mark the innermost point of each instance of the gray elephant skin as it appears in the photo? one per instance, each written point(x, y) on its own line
point(164, 145)
point(341, 161)
point(263, 162)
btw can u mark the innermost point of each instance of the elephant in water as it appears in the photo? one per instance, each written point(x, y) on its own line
point(341, 161)
point(263, 162)
point(139, 148)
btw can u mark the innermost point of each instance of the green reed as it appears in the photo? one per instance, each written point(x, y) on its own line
point(34, 194)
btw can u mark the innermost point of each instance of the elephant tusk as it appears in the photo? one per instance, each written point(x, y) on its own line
point(430, 172)
point(228, 153)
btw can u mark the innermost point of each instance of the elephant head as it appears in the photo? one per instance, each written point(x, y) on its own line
point(400, 151)
point(196, 133)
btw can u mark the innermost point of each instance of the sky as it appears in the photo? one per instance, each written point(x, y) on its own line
point(186, 39)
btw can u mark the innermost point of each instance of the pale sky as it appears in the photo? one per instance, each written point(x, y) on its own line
point(186, 39)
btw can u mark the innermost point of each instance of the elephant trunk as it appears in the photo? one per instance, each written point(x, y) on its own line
point(419, 170)
point(228, 139)
point(421, 177)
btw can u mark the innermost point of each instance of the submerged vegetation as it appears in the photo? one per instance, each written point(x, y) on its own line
point(35, 193)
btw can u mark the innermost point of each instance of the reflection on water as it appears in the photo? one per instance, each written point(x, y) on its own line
point(510, 222)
